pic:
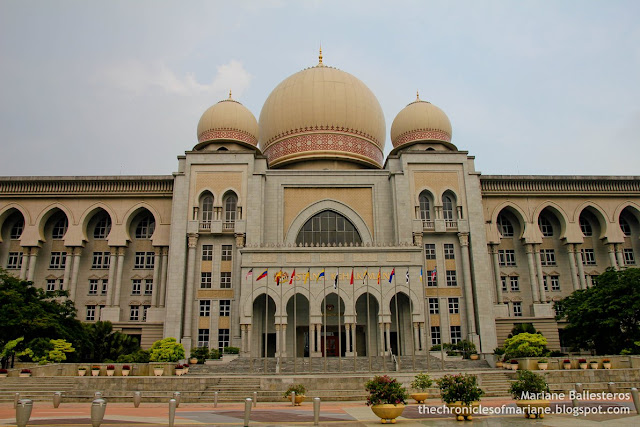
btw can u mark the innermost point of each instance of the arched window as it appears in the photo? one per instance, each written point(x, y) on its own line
point(230, 207)
point(625, 227)
point(146, 227)
point(207, 209)
point(328, 228)
point(425, 206)
point(585, 226)
point(16, 230)
point(505, 226)
point(103, 227)
point(60, 228)
point(545, 226)
point(447, 208)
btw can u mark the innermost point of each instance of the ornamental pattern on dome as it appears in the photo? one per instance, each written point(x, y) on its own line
point(420, 121)
point(228, 120)
point(232, 134)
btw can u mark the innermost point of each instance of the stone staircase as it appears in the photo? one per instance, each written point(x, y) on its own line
point(35, 388)
point(496, 383)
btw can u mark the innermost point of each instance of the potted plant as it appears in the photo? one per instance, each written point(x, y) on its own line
point(111, 369)
point(606, 363)
point(543, 364)
point(179, 369)
point(125, 370)
point(158, 371)
point(582, 363)
point(185, 368)
point(593, 364)
point(299, 389)
point(199, 355)
point(461, 393)
point(474, 356)
point(566, 364)
point(498, 351)
point(4, 373)
point(386, 397)
point(530, 391)
point(82, 371)
point(25, 373)
point(514, 364)
point(95, 371)
point(421, 382)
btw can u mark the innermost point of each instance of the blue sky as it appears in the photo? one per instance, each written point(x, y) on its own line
point(118, 87)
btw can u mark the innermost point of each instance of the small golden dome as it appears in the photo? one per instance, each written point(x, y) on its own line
point(420, 121)
point(228, 120)
point(322, 113)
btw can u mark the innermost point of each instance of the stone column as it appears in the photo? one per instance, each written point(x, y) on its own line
point(68, 259)
point(188, 301)
point(620, 256)
point(382, 339)
point(532, 273)
point(611, 248)
point(163, 276)
point(32, 263)
point(496, 273)
point(283, 351)
point(318, 337)
point(156, 276)
point(353, 337)
point(416, 336)
point(583, 284)
point(25, 263)
point(571, 250)
point(249, 337)
point(543, 296)
point(468, 290)
point(387, 327)
point(118, 291)
point(77, 252)
point(277, 326)
point(243, 336)
point(424, 337)
point(347, 332)
point(112, 274)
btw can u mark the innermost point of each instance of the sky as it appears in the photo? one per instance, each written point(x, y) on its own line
point(117, 87)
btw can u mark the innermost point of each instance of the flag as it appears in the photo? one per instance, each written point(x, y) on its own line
point(407, 275)
point(351, 281)
point(320, 275)
point(249, 273)
point(420, 274)
point(306, 276)
point(365, 276)
point(278, 276)
point(335, 282)
point(264, 274)
point(433, 274)
point(393, 273)
point(379, 276)
point(292, 276)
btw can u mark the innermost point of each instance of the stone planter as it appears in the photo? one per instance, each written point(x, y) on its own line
point(463, 412)
point(543, 366)
point(474, 357)
point(179, 372)
point(498, 364)
point(193, 361)
point(566, 365)
point(420, 397)
point(95, 372)
point(514, 366)
point(583, 366)
point(125, 372)
point(158, 372)
point(82, 372)
point(593, 365)
point(388, 412)
point(110, 372)
point(533, 408)
point(24, 375)
point(606, 365)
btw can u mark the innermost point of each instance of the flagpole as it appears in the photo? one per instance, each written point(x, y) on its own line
point(280, 329)
point(324, 311)
point(353, 325)
point(266, 329)
point(309, 314)
point(395, 290)
point(295, 325)
point(413, 343)
point(248, 334)
point(368, 324)
point(427, 316)
point(339, 324)
point(381, 315)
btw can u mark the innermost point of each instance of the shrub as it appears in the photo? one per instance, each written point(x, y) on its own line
point(461, 387)
point(166, 350)
point(82, 368)
point(542, 361)
point(514, 362)
point(498, 351)
point(582, 360)
point(179, 366)
point(594, 361)
point(3, 371)
point(214, 354)
point(384, 389)
point(126, 367)
point(95, 368)
point(111, 368)
point(436, 347)
point(556, 353)
point(298, 388)
point(526, 345)
point(528, 382)
point(25, 371)
point(231, 350)
point(421, 382)
point(606, 361)
point(201, 353)
point(566, 361)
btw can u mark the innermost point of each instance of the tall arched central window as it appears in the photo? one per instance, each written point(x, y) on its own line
point(328, 228)
point(230, 207)
point(425, 206)
point(207, 209)
point(447, 208)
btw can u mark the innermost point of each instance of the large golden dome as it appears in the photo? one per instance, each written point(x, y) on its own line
point(228, 120)
point(322, 113)
point(420, 121)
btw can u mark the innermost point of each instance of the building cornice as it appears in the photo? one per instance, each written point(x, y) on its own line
point(498, 185)
point(72, 186)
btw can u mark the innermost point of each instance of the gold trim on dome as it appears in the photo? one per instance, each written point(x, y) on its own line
point(310, 129)
point(422, 135)
point(228, 134)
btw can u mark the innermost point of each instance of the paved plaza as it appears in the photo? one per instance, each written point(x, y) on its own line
point(332, 414)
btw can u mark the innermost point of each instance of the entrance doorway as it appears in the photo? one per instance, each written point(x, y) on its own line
point(332, 346)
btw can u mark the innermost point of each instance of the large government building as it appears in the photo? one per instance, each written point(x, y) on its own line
point(293, 235)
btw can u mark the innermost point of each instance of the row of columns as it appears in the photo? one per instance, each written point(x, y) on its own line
point(536, 276)
point(116, 266)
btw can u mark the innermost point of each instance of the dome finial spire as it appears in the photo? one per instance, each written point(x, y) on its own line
point(320, 64)
point(417, 95)
point(230, 94)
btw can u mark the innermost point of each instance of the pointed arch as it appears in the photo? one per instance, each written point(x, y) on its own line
point(557, 211)
point(90, 212)
point(49, 211)
point(597, 211)
point(134, 211)
point(515, 210)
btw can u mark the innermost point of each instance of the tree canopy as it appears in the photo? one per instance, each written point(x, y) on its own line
point(606, 316)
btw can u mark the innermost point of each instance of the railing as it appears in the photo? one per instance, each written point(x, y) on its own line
point(205, 225)
point(228, 226)
point(394, 359)
point(451, 224)
point(428, 225)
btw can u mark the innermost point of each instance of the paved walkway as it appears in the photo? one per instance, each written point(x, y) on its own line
point(332, 414)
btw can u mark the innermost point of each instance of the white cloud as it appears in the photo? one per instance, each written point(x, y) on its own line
point(138, 77)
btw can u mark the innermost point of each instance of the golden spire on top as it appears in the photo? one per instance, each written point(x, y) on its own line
point(417, 96)
point(230, 94)
point(320, 64)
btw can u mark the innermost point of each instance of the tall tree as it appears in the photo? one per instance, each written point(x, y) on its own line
point(606, 316)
